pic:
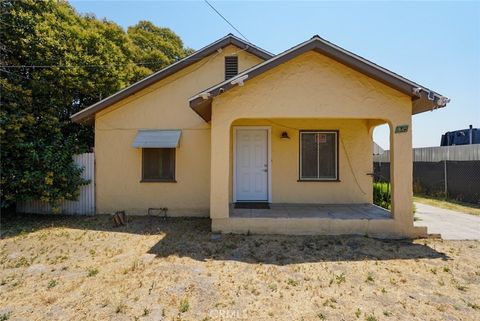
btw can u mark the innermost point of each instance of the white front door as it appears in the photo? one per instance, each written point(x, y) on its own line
point(251, 165)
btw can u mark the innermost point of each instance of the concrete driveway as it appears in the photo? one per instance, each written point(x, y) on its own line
point(450, 224)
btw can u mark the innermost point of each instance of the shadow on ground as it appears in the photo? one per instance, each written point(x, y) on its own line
point(191, 237)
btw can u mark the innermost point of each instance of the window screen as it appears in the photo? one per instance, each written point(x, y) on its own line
point(231, 66)
point(318, 155)
point(158, 164)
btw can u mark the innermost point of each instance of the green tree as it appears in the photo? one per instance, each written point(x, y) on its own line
point(154, 46)
point(55, 62)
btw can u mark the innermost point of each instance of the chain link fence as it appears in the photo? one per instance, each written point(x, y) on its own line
point(443, 171)
point(458, 180)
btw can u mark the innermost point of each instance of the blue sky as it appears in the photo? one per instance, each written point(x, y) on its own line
point(436, 44)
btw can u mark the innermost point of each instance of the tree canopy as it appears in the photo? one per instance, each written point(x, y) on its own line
point(55, 62)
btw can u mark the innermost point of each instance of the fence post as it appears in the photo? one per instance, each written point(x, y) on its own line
point(445, 177)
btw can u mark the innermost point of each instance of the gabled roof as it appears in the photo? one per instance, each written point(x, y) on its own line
point(87, 113)
point(423, 98)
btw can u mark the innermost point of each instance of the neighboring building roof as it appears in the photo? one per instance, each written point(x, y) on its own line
point(423, 98)
point(229, 39)
point(461, 137)
point(377, 149)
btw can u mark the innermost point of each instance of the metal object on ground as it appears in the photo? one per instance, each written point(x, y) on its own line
point(162, 211)
point(119, 218)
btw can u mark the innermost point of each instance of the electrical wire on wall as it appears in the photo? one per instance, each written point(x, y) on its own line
point(211, 57)
point(196, 68)
point(136, 128)
point(283, 126)
point(351, 167)
point(63, 66)
point(147, 91)
point(279, 125)
point(343, 146)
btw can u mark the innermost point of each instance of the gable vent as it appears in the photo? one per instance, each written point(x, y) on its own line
point(231, 66)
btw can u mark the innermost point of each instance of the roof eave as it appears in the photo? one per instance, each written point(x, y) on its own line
point(203, 107)
point(423, 98)
point(425, 103)
point(88, 113)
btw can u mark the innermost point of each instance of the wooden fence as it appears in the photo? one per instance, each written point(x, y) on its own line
point(85, 205)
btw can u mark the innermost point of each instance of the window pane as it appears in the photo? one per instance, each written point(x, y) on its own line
point(327, 146)
point(308, 146)
point(159, 163)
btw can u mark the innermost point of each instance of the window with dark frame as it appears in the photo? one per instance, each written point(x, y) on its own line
point(318, 155)
point(158, 164)
point(231, 66)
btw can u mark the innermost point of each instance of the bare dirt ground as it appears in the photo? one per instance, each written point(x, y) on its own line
point(70, 268)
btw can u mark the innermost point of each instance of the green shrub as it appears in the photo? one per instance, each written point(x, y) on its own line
point(382, 195)
point(37, 137)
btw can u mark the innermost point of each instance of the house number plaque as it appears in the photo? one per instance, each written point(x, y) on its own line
point(401, 129)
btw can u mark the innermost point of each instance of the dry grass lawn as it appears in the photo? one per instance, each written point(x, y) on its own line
point(70, 268)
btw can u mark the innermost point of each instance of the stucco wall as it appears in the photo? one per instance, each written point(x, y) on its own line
point(315, 86)
point(163, 105)
point(355, 161)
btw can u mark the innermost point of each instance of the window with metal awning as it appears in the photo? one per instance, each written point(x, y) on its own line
point(150, 138)
point(158, 154)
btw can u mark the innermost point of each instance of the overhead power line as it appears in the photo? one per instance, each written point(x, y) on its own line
point(81, 66)
point(226, 20)
point(125, 64)
point(188, 58)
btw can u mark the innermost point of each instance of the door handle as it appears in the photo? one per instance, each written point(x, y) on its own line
point(265, 170)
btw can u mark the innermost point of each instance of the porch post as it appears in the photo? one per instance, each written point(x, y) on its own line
point(220, 169)
point(401, 172)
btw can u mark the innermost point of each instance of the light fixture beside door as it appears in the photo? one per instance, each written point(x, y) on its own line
point(284, 136)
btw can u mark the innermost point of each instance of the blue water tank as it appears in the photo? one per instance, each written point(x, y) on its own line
point(461, 137)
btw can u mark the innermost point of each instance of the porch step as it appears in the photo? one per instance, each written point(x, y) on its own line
point(381, 228)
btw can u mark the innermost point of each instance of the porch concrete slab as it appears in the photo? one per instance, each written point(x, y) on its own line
point(274, 211)
point(308, 213)
point(321, 211)
point(240, 212)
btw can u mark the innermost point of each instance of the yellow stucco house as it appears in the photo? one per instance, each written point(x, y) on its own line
point(260, 143)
